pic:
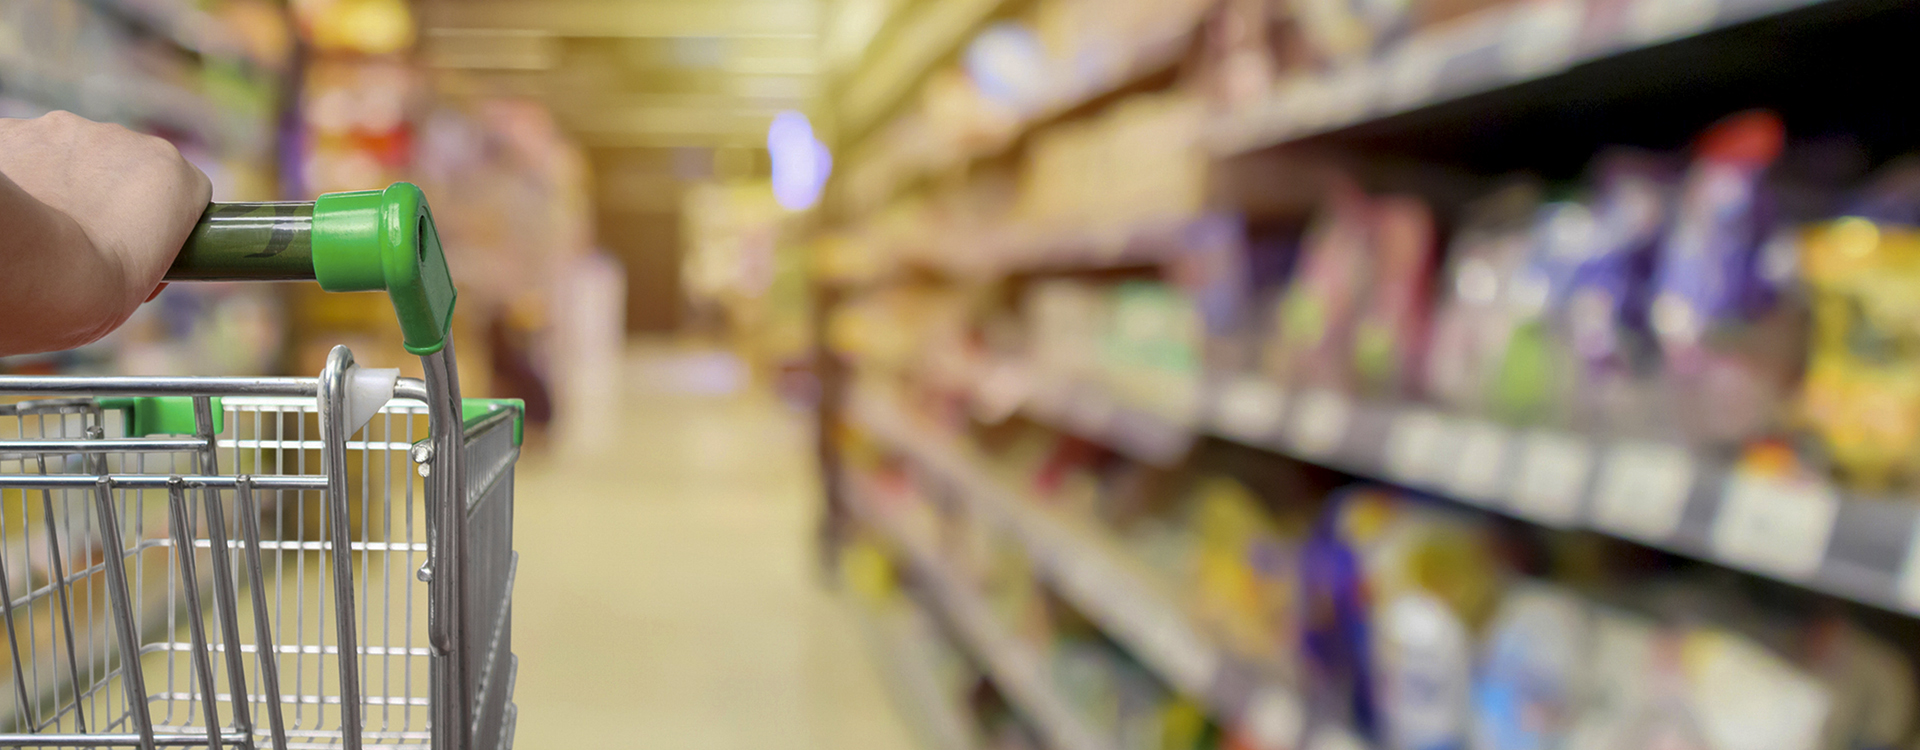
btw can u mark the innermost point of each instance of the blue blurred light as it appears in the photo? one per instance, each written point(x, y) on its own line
point(801, 163)
point(1008, 62)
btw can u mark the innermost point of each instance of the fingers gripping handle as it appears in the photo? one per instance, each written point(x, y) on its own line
point(372, 240)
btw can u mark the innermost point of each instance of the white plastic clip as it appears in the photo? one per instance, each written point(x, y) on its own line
point(367, 390)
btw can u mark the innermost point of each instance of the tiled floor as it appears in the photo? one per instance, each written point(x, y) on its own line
point(667, 595)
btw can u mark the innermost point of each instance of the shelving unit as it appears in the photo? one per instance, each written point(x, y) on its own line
point(137, 96)
point(1648, 492)
point(1505, 47)
point(1442, 113)
point(902, 60)
point(1020, 674)
point(1155, 58)
point(901, 638)
point(1102, 582)
point(181, 25)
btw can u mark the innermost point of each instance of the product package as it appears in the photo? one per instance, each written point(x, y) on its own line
point(1603, 313)
point(1389, 336)
point(1395, 591)
point(1476, 315)
point(1315, 316)
point(1861, 395)
point(1731, 351)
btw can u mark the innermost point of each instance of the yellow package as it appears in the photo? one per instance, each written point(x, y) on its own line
point(1862, 392)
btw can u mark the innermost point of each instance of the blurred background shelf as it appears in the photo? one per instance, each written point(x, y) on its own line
point(903, 58)
point(1019, 673)
point(1523, 58)
point(903, 637)
point(1651, 492)
point(1119, 595)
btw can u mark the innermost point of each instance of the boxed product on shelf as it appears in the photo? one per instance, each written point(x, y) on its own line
point(1241, 569)
point(1395, 592)
point(1134, 166)
point(1664, 296)
point(1152, 349)
point(1354, 315)
point(1420, 624)
point(1139, 340)
point(1862, 391)
point(1478, 309)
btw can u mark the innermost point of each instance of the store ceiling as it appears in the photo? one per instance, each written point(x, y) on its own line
point(636, 73)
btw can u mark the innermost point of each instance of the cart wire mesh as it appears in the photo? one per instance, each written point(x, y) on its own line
point(210, 557)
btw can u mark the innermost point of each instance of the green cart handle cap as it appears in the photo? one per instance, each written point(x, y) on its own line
point(374, 240)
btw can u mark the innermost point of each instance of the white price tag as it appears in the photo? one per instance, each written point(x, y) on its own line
point(1249, 409)
point(1643, 489)
point(1309, 103)
point(1412, 72)
point(1274, 719)
point(1348, 91)
point(1542, 37)
point(1320, 425)
point(1780, 527)
point(1181, 655)
point(1656, 20)
point(1415, 442)
point(1334, 737)
point(1553, 472)
point(1269, 119)
point(1480, 472)
point(1081, 579)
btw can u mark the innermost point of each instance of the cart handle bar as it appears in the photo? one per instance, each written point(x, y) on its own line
point(369, 240)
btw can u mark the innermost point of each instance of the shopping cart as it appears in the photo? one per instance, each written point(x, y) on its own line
point(266, 562)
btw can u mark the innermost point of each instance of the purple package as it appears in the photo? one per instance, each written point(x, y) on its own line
point(1708, 273)
point(1731, 345)
point(1606, 300)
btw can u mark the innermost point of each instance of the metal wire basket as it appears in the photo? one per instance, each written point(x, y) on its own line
point(265, 562)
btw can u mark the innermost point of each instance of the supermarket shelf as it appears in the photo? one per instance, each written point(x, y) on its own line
point(1152, 58)
point(138, 99)
point(1516, 44)
point(1144, 245)
point(933, 33)
point(182, 26)
point(1108, 587)
point(1077, 406)
point(1020, 673)
point(902, 640)
point(1659, 494)
point(1090, 411)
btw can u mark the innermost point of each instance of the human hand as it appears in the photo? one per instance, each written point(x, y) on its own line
point(94, 214)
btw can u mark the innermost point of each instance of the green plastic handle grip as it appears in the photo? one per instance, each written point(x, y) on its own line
point(369, 240)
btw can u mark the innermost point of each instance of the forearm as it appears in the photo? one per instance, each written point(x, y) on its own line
point(57, 289)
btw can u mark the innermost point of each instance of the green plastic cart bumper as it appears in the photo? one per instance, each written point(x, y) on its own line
point(163, 415)
point(474, 409)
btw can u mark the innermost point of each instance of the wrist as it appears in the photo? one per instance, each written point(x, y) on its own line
point(66, 292)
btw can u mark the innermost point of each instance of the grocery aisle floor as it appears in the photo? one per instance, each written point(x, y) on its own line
point(667, 595)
